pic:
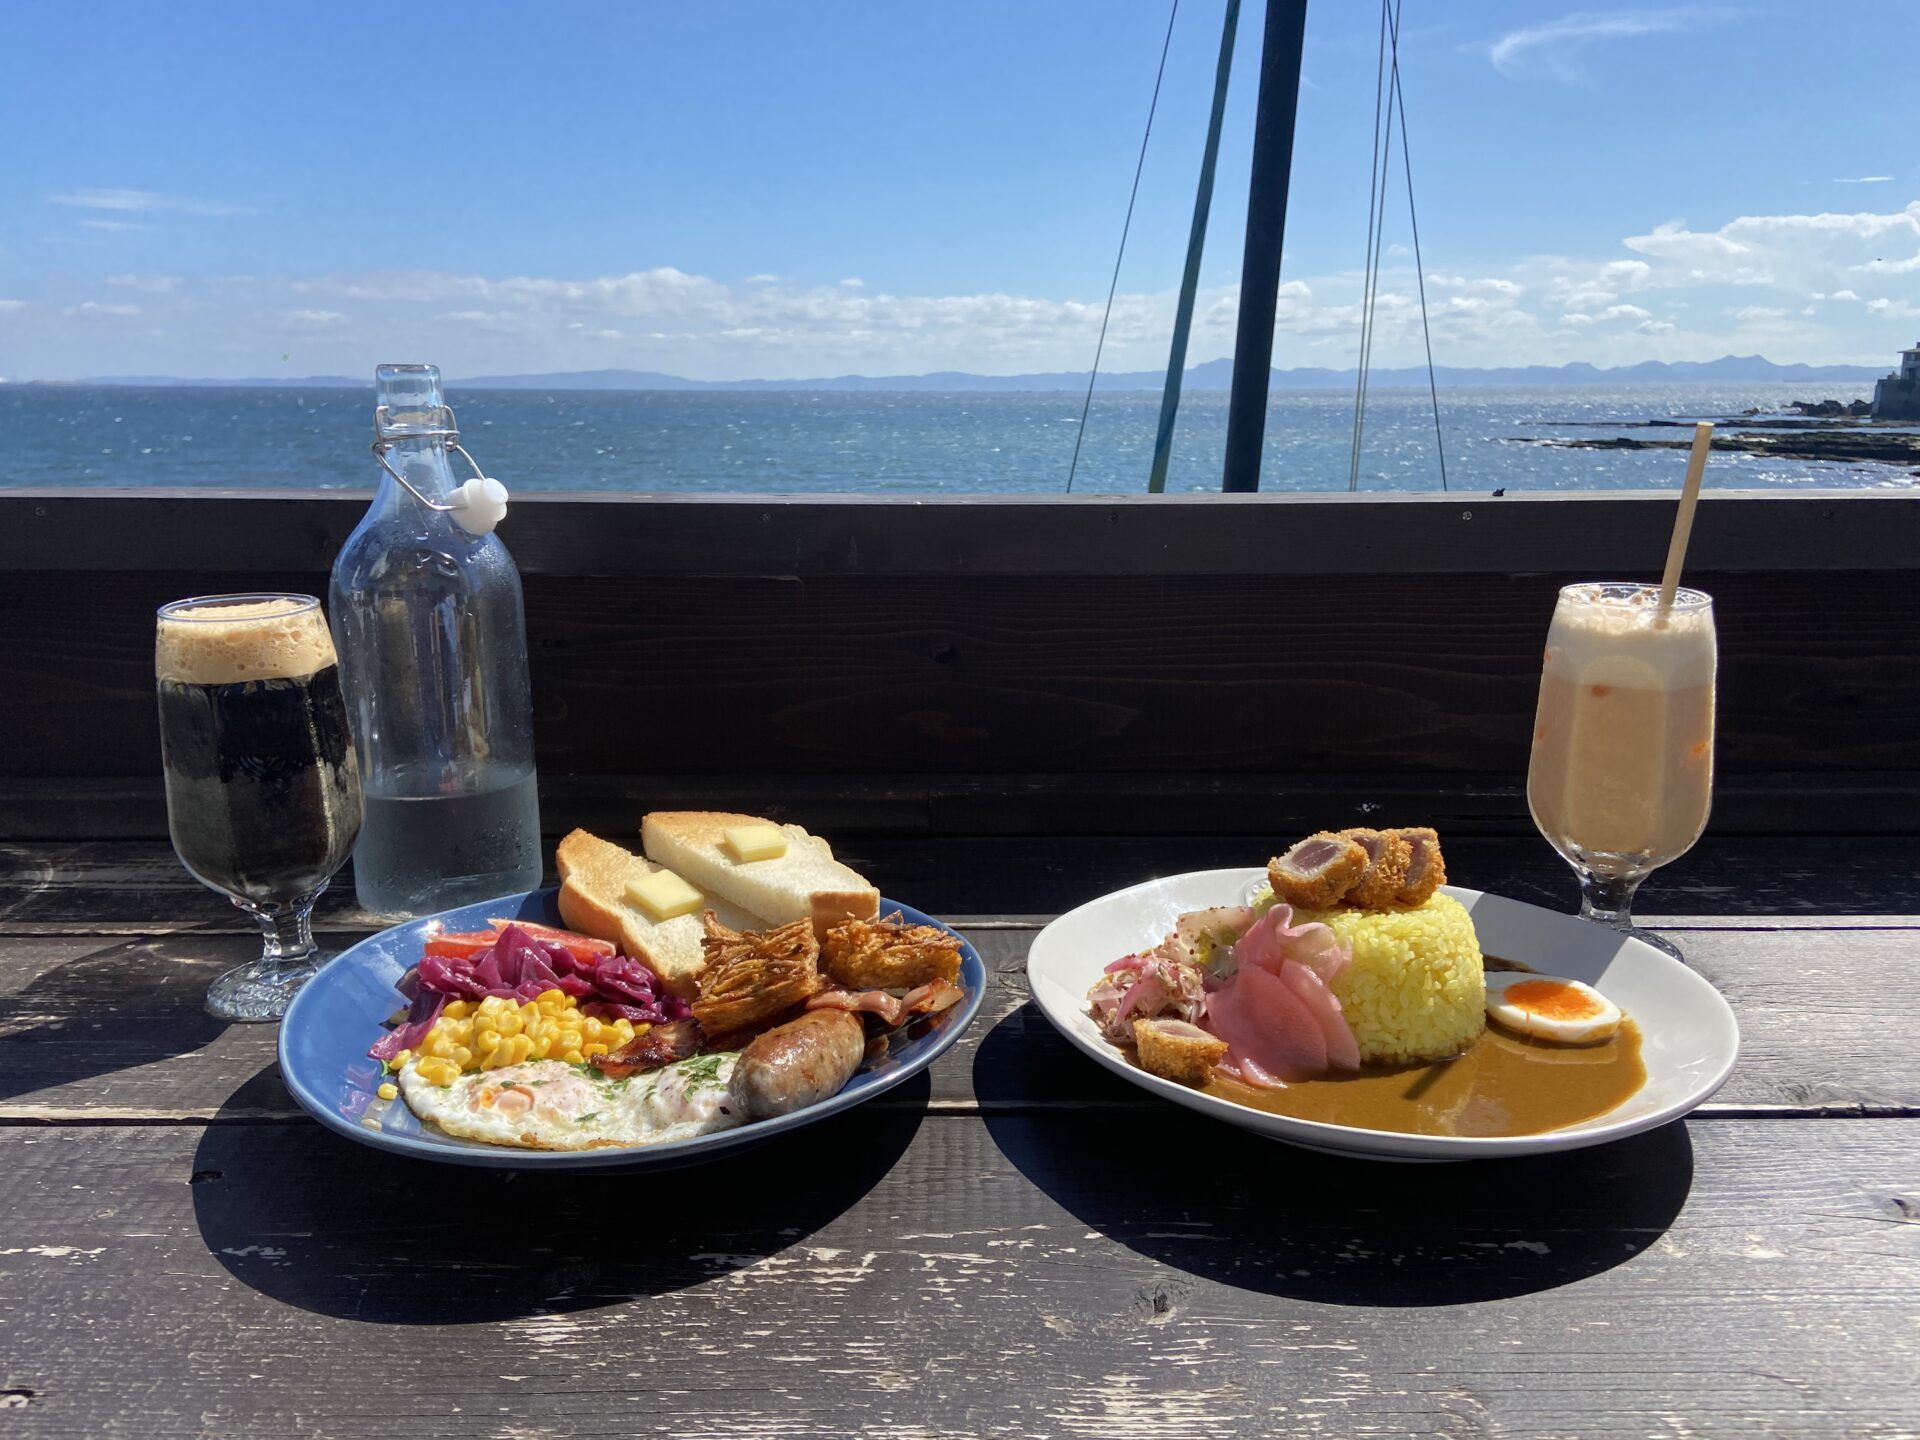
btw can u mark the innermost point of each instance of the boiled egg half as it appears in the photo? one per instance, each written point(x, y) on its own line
point(1547, 1007)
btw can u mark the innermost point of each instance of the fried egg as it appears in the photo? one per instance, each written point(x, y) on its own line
point(551, 1105)
point(1546, 1007)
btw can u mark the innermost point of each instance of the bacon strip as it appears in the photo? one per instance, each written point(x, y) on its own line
point(891, 1010)
point(654, 1049)
point(869, 1002)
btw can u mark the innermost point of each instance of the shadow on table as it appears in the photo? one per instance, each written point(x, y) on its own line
point(1226, 1205)
point(128, 1003)
point(340, 1229)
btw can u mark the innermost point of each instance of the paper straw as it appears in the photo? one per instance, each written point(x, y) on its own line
point(1683, 520)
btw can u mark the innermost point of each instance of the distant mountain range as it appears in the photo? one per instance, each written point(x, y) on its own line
point(1213, 375)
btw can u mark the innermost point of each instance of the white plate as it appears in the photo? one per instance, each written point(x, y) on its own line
point(1688, 1035)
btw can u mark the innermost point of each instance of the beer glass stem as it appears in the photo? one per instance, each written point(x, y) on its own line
point(286, 931)
point(1608, 899)
point(261, 989)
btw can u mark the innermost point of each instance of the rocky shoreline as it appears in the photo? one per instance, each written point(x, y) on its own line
point(1783, 439)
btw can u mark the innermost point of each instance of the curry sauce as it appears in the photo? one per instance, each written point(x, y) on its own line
point(1501, 1084)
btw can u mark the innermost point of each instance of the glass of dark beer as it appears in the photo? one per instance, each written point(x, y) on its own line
point(263, 791)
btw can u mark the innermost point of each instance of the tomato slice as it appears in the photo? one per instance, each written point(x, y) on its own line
point(584, 947)
point(460, 946)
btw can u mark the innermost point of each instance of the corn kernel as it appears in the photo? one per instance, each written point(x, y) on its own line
point(388, 1091)
point(458, 1009)
point(573, 1057)
point(592, 1048)
point(485, 1042)
point(462, 1056)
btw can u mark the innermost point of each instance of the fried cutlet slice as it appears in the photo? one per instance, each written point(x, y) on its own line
point(1177, 1050)
point(1426, 869)
point(1318, 871)
point(888, 954)
point(1387, 859)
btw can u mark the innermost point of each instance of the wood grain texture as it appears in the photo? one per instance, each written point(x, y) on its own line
point(595, 533)
point(110, 1028)
point(1276, 675)
point(1878, 802)
point(106, 887)
point(894, 1275)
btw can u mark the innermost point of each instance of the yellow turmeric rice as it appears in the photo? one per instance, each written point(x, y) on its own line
point(1415, 990)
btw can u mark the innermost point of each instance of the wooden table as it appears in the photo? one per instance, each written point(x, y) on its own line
point(1013, 1245)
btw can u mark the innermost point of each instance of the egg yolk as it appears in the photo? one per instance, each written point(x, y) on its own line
point(1553, 999)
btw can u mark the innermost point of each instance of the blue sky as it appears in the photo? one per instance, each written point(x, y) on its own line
point(792, 189)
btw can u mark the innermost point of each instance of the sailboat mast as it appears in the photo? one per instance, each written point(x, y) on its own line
point(1280, 59)
point(1196, 246)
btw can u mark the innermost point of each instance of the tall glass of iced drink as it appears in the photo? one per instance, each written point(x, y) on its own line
point(1621, 777)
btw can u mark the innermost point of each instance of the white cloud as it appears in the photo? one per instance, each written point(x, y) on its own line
point(1893, 309)
point(763, 279)
point(1487, 286)
point(6, 305)
point(1864, 180)
point(115, 225)
point(1655, 327)
point(1554, 46)
point(853, 282)
point(1758, 312)
point(1625, 312)
point(142, 200)
point(311, 319)
point(1891, 267)
point(94, 307)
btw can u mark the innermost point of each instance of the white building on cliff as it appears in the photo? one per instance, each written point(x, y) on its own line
point(1897, 396)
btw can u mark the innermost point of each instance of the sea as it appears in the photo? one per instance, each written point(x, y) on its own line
point(916, 443)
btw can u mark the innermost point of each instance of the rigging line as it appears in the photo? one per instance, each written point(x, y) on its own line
point(1373, 182)
point(1419, 269)
point(1371, 314)
point(1126, 225)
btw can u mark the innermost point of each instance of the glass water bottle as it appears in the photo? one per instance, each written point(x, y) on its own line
point(428, 620)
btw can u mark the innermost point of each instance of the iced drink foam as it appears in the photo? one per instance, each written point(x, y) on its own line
point(1621, 776)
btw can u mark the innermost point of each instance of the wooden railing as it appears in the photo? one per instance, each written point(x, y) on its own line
point(1180, 664)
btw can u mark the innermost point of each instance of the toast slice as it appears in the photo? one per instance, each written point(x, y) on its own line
point(594, 876)
point(806, 883)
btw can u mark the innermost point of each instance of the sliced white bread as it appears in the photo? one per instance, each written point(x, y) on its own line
point(594, 876)
point(806, 883)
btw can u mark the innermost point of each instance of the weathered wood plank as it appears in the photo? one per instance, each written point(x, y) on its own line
point(591, 533)
point(1275, 675)
point(943, 1278)
point(91, 887)
point(94, 1029)
point(1875, 802)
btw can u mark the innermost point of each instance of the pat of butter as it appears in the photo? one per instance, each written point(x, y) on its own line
point(755, 842)
point(664, 895)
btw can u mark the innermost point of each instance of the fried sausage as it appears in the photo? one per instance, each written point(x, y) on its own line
point(797, 1064)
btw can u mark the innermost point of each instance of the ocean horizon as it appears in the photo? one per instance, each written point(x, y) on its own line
point(913, 442)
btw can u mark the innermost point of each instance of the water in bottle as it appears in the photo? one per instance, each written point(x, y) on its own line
point(431, 631)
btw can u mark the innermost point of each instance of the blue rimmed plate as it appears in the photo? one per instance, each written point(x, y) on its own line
point(339, 1013)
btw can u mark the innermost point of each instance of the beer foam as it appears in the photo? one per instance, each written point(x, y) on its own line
point(215, 643)
point(1603, 639)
